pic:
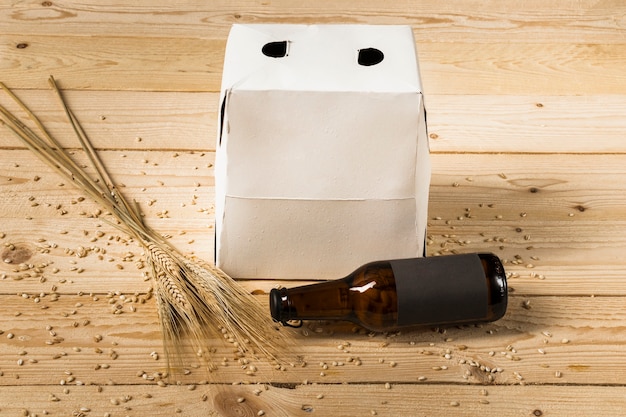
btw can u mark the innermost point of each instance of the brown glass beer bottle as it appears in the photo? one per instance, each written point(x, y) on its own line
point(385, 295)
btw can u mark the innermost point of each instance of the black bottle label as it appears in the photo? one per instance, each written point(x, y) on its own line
point(440, 290)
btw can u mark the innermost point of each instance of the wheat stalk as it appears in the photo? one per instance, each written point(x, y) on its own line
point(196, 301)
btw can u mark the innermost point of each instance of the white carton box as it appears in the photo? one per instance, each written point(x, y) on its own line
point(322, 157)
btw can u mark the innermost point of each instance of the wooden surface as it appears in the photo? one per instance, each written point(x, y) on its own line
point(526, 104)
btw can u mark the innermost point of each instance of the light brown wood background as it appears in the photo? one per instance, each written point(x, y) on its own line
point(527, 120)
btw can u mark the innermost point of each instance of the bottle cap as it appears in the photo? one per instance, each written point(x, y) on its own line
point(276, 304)
point(280, 308)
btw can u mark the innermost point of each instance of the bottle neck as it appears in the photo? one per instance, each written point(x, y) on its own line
point(322, 301)
point(367, 297)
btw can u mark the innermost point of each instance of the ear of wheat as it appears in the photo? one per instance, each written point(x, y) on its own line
point(196, 301)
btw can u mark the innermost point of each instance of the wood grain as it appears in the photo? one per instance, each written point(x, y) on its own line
point(566, 223)
point(526, 105)
point(194, 64)
point(337, 400)
point(580, 337)
point(561, 21)
point(526, 123)
point(148, 121)
point(457, 123)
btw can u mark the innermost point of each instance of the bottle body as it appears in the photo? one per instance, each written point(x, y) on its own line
point(391, 294)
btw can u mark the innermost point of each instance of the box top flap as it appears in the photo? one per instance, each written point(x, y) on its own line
point(377, 58)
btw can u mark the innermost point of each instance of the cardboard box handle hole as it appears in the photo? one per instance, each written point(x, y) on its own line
point(370, 56)
point(275, 49)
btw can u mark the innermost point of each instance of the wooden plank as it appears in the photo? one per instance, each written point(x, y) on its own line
point(532, 124)
point(457, 123)
point(564, 224)
point(500, 68)
point(195, 64)
point(553, 265)
point(113, 63)
point(336, 400)
point(560, 21)
point(141, 120)
point(491, 187)
point(576, 258)
point(559, 266)
point(580, 338)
